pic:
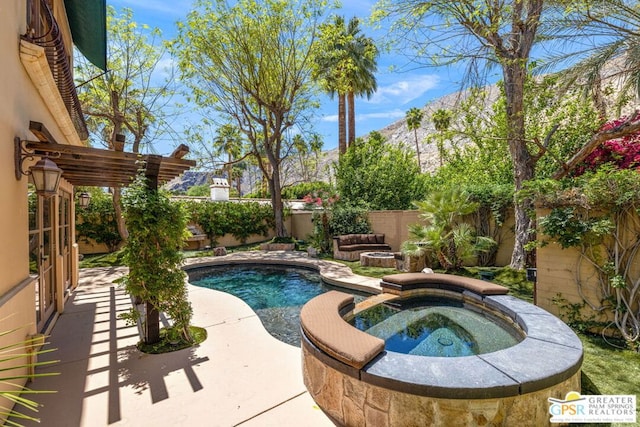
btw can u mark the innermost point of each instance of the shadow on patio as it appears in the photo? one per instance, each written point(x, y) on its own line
point(98, 358)
point(240, 375)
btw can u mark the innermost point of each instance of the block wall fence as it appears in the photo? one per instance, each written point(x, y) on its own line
point(566, 273)
point(393, 224)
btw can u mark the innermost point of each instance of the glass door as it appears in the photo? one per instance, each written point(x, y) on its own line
point(42, 255)
point(64, 237)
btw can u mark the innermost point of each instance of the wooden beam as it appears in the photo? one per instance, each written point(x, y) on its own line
point(181, 151)
point(41, 132)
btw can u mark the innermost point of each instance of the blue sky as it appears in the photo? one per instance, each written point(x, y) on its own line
point(397, 91)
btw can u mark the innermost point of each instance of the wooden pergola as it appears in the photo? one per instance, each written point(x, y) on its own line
point(96, 167)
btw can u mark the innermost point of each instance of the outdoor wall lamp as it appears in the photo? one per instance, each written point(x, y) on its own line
point(45, 173)
point(83, 199)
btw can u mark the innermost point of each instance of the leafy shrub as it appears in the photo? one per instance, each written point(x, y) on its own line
point(259, 193)
point(241, 220)
point(299, 191)
point(349, 219)
point(98, 221)
point(385, 176)
point(202, 190)
point(294, 192)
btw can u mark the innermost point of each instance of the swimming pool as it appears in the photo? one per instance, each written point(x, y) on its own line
point(275, 293)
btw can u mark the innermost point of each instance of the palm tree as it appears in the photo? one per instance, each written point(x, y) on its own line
point(441, 121)
point(315, 145)
point(447, 236)
point(414, 119)
point(327, 69)
point(617, 53)
point(344, 63)
point(363, 55)
point(228, 141)
point(302, 150)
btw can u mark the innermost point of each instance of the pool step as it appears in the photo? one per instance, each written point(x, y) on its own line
point(373, 300)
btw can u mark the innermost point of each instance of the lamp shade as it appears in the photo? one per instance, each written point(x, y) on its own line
point(46, 177)
point(83, 199)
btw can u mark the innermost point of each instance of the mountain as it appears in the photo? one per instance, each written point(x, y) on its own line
point(398, 133)
point(187, 180)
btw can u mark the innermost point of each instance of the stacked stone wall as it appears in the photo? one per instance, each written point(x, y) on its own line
point(351, 402)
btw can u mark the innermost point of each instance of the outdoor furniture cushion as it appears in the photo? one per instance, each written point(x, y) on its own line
point(324, 326)
point(350, 246)
point(409, 281)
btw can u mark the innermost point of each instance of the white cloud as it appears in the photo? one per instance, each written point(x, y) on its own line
point(381, 115)
point(404, 91)
point(391, 114)
point(331, 118)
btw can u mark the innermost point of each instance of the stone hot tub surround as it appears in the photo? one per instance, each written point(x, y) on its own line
point(506, 387)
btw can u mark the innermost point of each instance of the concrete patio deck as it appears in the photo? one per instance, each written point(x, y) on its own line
point(240, 376)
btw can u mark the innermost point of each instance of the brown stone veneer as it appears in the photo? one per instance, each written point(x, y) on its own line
point(351, 402)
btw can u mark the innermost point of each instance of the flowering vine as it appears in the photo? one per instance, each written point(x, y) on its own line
point(623, 153)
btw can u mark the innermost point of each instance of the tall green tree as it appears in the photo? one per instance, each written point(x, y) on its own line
point(251, 62)
point(363, 54)
point(383, 176)
point(130, 99)
point(441, 121)
point(414, 120)
point(302, 150)
point(345, 63)
point(557, 123)
point(315, 145)
point(483, 33)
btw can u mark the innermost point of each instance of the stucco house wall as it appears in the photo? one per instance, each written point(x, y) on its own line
point(22, 102)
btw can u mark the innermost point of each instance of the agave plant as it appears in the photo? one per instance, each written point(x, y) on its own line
point(16, 366)
point(446, 236)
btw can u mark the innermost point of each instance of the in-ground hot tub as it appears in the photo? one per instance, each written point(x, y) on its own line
point(357, 381)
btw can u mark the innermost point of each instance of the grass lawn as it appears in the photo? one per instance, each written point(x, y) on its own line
point(113, 259)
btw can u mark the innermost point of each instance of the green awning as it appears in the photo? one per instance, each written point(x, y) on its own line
point(88, 22)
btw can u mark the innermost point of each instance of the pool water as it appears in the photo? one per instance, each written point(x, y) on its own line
point(431, 326)
point(275, 293)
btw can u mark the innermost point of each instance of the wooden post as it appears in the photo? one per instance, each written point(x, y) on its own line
point(152, 316)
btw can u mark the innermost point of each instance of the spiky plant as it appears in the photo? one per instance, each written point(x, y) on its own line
point(446, 235)
point(16, 366)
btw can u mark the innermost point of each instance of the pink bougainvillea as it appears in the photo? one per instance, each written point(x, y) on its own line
point(624, 153)
point(323, 200)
